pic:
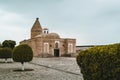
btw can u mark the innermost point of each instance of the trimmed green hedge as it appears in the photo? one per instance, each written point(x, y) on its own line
point(5, 53)
point(100, 63)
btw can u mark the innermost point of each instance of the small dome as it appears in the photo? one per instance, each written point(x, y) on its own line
point(54, 35)
point(51, 35)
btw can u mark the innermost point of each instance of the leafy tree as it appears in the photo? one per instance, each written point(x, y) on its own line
point(22, 53)
point(5, 53)
point(9, 43)
point(0, 45)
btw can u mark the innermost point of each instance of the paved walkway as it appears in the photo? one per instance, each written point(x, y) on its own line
point(44, 69)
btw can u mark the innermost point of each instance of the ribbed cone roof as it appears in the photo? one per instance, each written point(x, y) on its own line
point(37, 24)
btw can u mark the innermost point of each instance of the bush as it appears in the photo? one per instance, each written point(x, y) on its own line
point(22, 53)
point(5, 53)
point(100, 63)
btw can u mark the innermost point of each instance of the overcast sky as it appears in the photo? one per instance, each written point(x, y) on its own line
point(89, 21)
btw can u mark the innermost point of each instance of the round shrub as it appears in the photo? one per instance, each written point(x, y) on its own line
point(100, 63)
point(22, 53)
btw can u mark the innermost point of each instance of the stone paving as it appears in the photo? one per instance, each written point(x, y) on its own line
point(42, 73)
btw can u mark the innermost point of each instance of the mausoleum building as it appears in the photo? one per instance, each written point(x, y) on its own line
point(46, 44)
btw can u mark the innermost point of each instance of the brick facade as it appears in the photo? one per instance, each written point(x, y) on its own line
point(45, 44)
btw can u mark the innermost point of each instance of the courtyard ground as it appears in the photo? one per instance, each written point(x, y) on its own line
point(44, 69)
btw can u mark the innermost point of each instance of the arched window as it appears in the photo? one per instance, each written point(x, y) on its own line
point(56, 45)
point(46, 47)
point(45, 31)
point(70, 48)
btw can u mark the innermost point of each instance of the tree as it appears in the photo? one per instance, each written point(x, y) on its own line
point(0, 45)
point(22, 53)
point(9, 43)
point(5, 53)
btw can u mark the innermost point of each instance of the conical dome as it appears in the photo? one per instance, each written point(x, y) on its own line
point(37, 24)
point(36, 29)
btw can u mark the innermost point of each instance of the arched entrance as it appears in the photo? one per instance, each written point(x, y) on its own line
point(56, 53)
point(56, 50)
